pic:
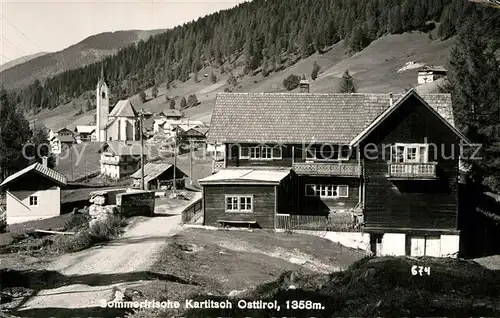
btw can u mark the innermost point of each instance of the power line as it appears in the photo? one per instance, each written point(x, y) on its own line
point(15, 27)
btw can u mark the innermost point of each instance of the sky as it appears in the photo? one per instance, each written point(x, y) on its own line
point(28, 27)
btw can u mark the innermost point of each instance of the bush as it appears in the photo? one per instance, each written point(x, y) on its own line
point(154, 91)
point(142, 96)
point(192, 100)
point(80, 112)
point(183, 102)
point(100, 232)
point(291, 82)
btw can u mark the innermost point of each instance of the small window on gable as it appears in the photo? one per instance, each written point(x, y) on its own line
point(103, 94)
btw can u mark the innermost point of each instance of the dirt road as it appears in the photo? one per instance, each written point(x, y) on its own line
point(89, 276)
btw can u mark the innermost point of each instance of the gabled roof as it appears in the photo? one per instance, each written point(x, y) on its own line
point(173, 112)
point(85, 129)
point(123, 108)
point(429, 68)
point(64, 138)
point(245, 176)
point(62, 129)
point(373, 125)
point(41, 170)
point(202, 130)
point(154, 170)
point(303, 117)
point(124, 148)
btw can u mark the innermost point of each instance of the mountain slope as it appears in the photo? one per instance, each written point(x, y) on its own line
point(374, 69)
point(20, 60)
point(88, 51)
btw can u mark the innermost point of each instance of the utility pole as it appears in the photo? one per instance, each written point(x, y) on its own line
point(190, 161)
point(142, 149)
point(174, 186)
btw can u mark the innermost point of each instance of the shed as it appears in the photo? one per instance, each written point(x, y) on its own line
point(159, 176)
point(33, 193)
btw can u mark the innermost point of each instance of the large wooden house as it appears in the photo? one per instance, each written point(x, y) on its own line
point(389, 161)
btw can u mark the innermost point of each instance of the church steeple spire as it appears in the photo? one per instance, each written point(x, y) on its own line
point(102, 71)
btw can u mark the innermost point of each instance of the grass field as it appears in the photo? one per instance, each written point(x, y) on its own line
point(221, 262)
point(374, 70)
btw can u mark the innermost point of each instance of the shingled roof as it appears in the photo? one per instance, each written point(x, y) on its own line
point(39, 169)
point(301, 117)
point(123, 108)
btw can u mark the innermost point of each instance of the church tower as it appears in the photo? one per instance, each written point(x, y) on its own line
point(102, 100)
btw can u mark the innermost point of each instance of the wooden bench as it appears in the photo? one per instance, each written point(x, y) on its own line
point(225, 222)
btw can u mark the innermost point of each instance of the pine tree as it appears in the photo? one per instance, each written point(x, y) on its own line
point(192, 100)
point(315, 71)
point(473, 80)
point(14, 133)
point(172, 104)
point(154, 91)
point(213, 78)
point(183, 103)
point(347, 83)
point(142, 96)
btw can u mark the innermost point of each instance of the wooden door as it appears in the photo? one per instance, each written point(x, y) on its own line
point(417, 246)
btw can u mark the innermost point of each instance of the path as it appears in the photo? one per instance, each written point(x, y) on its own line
point(92, 274)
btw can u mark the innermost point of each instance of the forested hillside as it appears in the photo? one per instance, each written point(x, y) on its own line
point(267, 34)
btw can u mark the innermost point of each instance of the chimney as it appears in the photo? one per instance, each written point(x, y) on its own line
point(304, 86)
point(390, 99)
point(44, 161)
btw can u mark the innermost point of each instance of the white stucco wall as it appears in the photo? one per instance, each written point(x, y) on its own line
point(19, 209)
point(356, 240)
point(393, 244)
point(450, 245)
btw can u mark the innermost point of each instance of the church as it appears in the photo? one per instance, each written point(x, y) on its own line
point(122, 123)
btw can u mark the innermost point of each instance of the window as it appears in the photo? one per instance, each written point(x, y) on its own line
point(261, 153)
point(244, 153)
point(409, 153)
point(310, 154)
point(255, 153)
point(33, 200)
point(267, 153)
point(239, 203)
point(327, 190)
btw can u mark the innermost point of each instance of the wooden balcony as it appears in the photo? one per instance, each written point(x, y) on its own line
point(343, 169)
point(413, 171)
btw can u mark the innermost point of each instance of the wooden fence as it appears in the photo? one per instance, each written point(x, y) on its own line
point(342, 222)
point(191, 211)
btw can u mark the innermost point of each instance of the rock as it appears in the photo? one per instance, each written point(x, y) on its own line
point(99, 200)
point(235, 293)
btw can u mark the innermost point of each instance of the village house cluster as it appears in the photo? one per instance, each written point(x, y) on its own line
point(290, 160)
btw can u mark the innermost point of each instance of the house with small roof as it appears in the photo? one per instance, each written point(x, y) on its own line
point(159, 176)
point(33, 193)
point(376, 163)
point(121, 158)
point(59, 143)
point(429, 74)
point(173, 114)
point(60, 132)
point(123, 122)
point(85, 133)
